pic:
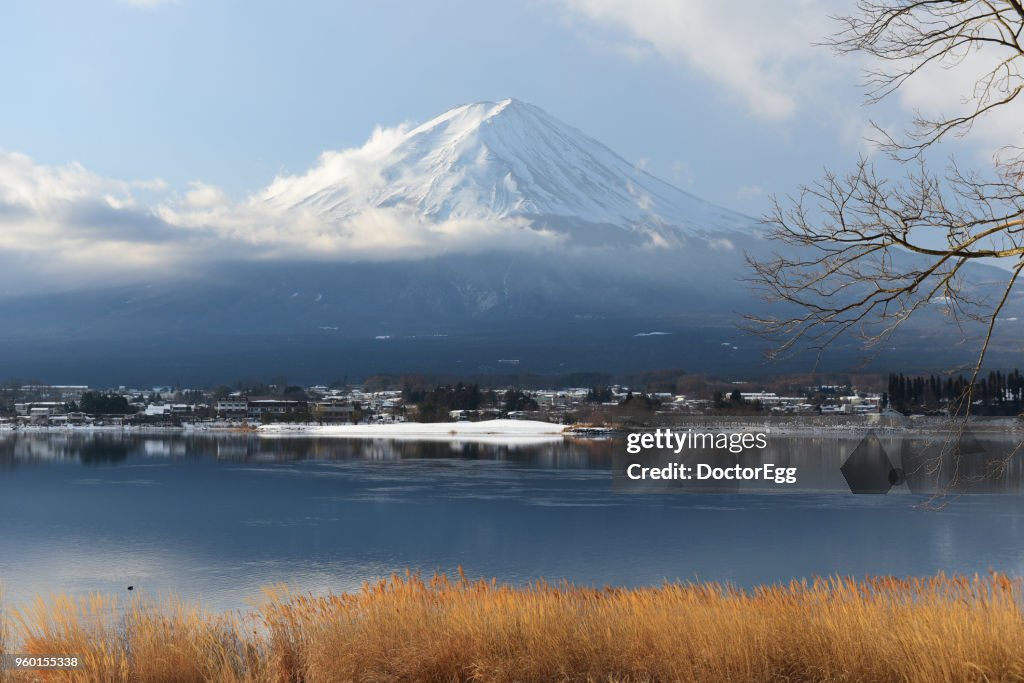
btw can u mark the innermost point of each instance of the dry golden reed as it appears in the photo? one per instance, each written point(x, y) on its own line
point(452, 629)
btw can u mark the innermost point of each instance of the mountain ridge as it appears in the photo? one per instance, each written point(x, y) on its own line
point(506, 160)
point(665, 262)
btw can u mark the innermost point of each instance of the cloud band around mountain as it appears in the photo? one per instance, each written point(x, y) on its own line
point(62, 225)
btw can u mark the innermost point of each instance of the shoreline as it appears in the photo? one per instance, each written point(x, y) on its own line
point(499, 429)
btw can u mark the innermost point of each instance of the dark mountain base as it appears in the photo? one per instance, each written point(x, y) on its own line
point(463, 315)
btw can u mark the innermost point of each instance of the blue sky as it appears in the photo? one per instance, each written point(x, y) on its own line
point(139, 132)
point(233, 93)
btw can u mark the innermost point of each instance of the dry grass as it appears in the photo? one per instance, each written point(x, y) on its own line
point(139, 641)
point(408, 629)
point(4, 647)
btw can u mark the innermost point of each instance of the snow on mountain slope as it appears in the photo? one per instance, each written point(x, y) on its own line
point(494, 161)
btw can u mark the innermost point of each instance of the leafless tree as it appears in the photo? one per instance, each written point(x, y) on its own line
point(869, 251)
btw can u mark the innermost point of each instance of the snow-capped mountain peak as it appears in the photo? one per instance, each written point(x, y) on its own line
point(497, 160)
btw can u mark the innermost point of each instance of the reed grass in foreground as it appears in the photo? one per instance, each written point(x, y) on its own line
point(408, 629)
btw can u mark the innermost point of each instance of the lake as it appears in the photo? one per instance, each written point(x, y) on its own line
point(215, 518)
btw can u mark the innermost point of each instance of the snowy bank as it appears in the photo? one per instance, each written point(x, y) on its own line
point(496, 431)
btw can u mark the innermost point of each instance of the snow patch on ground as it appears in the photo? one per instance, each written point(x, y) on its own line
point(519, 432)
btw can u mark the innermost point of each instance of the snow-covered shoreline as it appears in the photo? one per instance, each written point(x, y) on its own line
point(498, 431)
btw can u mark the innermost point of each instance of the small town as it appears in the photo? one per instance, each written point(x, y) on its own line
point(74, 406)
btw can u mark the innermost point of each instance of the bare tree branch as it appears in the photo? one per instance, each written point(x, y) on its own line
point(907, 37)
point(864, 253)
point(861, 253)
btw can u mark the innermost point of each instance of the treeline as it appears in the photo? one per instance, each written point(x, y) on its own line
point(96, 404)
point(604, 395)
point(436, 404)
point(600, 394)
point(997, 393)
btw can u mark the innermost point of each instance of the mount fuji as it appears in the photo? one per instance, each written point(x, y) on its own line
point(500, 240)
point(493, 161)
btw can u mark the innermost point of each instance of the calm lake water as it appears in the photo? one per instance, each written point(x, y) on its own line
point(215, 519)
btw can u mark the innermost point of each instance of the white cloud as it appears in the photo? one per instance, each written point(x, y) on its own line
point(761, 52)
point(642, 200)
point(203, 196)
point(342, 208)
point(260, 231)
point(765, 55)
point(59, 223)
point(944, 89)
point(65, 224)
